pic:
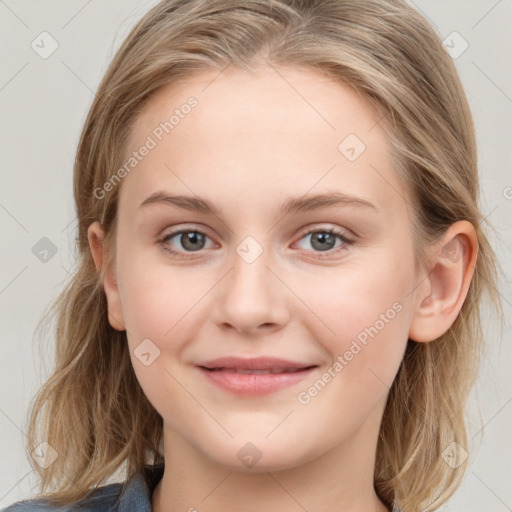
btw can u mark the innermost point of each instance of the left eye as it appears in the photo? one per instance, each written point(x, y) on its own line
point(324, 239)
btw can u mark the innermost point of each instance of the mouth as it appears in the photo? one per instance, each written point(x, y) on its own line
point(242, 381)
point(247, 371)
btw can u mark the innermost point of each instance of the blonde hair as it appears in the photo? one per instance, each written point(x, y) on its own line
point(92, 409)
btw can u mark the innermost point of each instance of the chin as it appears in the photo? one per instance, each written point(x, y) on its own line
point(262, 455)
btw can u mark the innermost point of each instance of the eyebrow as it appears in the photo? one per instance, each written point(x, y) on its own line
point(298, 204)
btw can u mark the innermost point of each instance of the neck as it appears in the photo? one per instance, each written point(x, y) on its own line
point(341, 480)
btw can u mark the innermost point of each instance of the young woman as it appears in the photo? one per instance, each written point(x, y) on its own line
point(281, 266)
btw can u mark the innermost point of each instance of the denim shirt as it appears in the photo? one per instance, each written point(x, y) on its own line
point(133, 495)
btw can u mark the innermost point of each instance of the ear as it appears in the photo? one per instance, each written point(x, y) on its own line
point(442, 293)
point(96, 237)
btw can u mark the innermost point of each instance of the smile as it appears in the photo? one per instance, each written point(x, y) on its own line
point(255, 382)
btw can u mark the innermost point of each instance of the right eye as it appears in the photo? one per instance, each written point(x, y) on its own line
point(192, 240)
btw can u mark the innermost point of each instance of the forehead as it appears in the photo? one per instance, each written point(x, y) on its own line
point(237, 99)
point(292, 128)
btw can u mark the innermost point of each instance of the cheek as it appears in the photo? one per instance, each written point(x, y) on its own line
point(155, 296)
point(366, 340)
point(163, 308)
point(158, 326)
point(364, 313)
point(355, 295)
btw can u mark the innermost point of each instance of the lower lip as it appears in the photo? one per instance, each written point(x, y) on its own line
point(254, 384)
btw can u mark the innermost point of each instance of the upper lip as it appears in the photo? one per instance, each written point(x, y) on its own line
point(256, 363)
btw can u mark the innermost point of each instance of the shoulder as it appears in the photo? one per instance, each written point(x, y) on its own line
point(133, 495)
point(102, 499)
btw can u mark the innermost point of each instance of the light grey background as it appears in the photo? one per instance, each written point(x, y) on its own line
point(43, 106)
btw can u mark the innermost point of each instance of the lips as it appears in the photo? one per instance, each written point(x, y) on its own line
point(256, 376)
point(255, 365)
point(255, 372)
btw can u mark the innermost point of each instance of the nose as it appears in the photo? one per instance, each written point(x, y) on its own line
point(252, 298)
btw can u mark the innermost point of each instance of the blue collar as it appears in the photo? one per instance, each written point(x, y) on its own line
point(133, 495)
point(136, 493)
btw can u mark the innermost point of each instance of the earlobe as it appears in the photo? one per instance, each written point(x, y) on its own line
point(96, 238)
point(441, 297)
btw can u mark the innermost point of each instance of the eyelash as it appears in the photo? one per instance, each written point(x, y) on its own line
point(319, 254)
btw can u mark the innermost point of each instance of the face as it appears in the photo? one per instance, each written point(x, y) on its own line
point(328, 284)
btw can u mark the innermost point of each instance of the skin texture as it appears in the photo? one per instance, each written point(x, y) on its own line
point(250, 143)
